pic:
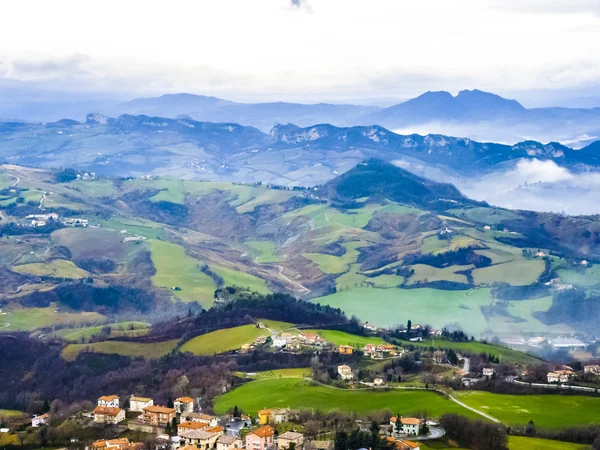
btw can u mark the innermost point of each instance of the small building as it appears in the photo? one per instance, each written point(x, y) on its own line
point(559, 376)
point(261, 340)
point(227, 442)
point(310, 337)
point(488, 371)
point(403, 444)
point(137, 404)
point(440, 357)
point(345, 349)
point(203, 439)
point(378, 381)
point(345, 372)
point(285, 439)
point(408, 425)
point(568, 343)
point(117, 444)
point(262, 438)
point(158, 416)
point(38, 421)
point(369, 349)
point(108, 415)
point(111, 401)
point(207, 419)
point(273, 416)
point(184, 404)
point(593, 369)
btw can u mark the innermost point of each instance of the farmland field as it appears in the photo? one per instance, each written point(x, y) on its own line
point(264, 250)
point(236, 278)
point(388, 307)
point(57, 268)
point(28, 319)
point(301, 372)
point(117, 330)
point(300, 394)
point(223, 340)
point(342, 338)
point(517, 273)
point(125, 348)
point(551, 411)
point(11, 413)
point(174, 268)
point(525, 443)
point(424, 273)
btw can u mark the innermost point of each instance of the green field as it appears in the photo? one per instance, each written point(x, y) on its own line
point(337, 264)
point(223, 340)
point(586, 278)
point(438, 308)
point(424, 273)
point(517, 273)
point(300, 394)
point(525, 443)
point(174, 268)
point(93, 188)
point(118, 329)
point(276, 325)
point(264, 251)
point(505, 354)
point(551, 411)
point(342, 338)
point(236, 278)
point(11, 413)
point(125, 348)
point(57, 268)
point(489, 216)
point(301, 372)
point(28, 319)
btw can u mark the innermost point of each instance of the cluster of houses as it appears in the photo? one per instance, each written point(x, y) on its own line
point(566, 374)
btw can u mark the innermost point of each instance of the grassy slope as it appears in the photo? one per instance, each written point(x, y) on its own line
point(342, 338)
point(283, 373)
point(552, 411)
point(32, 318)
point(387, 307)
point(295, 393)
point(117, 329)
point(525, 443)
point(505, 354)
point(175, 268)
point(57, 268)
point(152, 351)
point(235, 278)
point(223, 340)
point(517, 273)
point(264, 251)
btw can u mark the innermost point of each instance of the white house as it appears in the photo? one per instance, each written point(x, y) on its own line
point(37, 421)
point(378, 381)
point(559, 376)
point(408, 425)
point(108, 415)
point(345, 372)
point(488, 371)
point(594, 369)
point(111, 401)
point(227, 442)
point(211, 421)
point(184, 404)
point(137, 404)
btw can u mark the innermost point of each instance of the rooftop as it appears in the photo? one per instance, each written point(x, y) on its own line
point(263, 431)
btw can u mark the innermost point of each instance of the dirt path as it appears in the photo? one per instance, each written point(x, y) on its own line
point(41, 205)
point(16, 178)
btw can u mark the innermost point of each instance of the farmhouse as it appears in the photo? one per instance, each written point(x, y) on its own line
point(109, 400)
point(488, 371)
point(345, 349)
point(345, 372)
point(408, 425)
point(227, 442)
point(309, 337)
point(157, 415)
point(261, 439)
point(37, 421)
point(593, 369)
point(276, 415)
point(207, 419)
point(559, 376)
point(288, 437)
point(184, 404)
point(369, 349)
point(378, 381)
point(260, 340)
point(108, 415)
point(137, 404)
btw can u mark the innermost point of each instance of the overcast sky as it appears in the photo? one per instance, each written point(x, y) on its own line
point(302, 49)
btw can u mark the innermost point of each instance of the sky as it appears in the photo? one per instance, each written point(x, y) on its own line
point(304, 50)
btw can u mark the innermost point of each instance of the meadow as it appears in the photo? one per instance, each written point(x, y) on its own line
point(175, 268)
point(549, 410)
point(342, 338)
point(526, 443)
point(301, 394)
point(300, 372)
point(221, 341)
point(236, 278)
point(263, 251)
point(56, 268)
point(28, 319)
point(389, 307)
point(517, 273)
point(126, 348)
point(118, 329)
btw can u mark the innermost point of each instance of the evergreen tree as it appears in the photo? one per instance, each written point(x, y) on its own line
point(341, 440)
point(46, 407)
point(530, 429)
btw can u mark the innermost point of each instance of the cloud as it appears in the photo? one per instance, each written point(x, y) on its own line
point(536, 171)
point(549, 6)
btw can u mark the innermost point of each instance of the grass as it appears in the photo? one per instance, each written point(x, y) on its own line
point(136, 227)
point(174, 268)
point(424, 273)
point(337, 264)
point(525, 443)
point(264, 251)
point(432, 244)
point(300, 394)
point(28, 319)
point(489, 216)
point(550, 411)
point(94, 188)
point(118, 329)
point(386, 281)
point(301, 372)
point(236, 278)
point(133, 349)
point(11, 413)
point(505, 354)
point(342, 338)
point(438, 308)
point(516, 273)
point(171, 191)
point(585, 278)
point(276, 325)
point(57, 268)
point(221, 341)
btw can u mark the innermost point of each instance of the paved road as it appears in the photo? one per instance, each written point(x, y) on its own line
point(434, 433)
point(551, 386)
point(466, 365)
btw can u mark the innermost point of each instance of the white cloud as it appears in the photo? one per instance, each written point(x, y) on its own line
point(536, 171)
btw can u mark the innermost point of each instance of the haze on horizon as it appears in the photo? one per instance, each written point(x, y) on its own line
point(380, 51)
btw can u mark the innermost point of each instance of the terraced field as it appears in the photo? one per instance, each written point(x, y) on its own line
point(125, 348)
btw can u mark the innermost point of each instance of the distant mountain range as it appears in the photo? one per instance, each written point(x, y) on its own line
point(288, 155)
point(475, 114)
